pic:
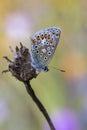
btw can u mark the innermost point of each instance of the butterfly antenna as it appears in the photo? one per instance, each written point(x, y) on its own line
point(57, 69)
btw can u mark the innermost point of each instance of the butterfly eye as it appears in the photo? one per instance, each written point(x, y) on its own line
point(51, 41)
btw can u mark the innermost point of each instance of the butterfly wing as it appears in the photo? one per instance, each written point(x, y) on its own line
point(43, 45)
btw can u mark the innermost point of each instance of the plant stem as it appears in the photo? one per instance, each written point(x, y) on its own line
point(39, 104)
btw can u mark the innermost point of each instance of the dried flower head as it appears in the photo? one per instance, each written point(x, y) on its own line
point(21, 67)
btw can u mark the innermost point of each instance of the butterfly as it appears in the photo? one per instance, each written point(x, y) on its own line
point(43, 46)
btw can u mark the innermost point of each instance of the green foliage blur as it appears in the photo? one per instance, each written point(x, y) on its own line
point(19, 20)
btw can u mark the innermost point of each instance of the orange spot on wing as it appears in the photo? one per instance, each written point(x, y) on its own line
point(45, 35)
point(33, 41)
point(48, 36)
point(38, 37)
point(51, 41)
point(42, 36)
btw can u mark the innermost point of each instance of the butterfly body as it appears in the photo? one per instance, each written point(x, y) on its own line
point(43, 46)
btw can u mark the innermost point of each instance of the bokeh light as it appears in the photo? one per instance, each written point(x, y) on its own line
point(65, 120)
point(17, 27)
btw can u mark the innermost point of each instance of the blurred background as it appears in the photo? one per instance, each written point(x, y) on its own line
point(64, 95)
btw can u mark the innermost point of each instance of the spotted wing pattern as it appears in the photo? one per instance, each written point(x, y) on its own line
point(43, 45)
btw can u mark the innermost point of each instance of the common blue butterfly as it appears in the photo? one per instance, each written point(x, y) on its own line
point(43, 46)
